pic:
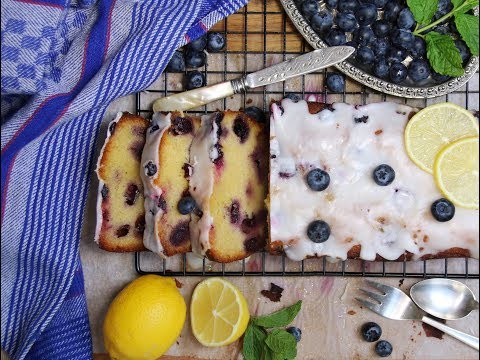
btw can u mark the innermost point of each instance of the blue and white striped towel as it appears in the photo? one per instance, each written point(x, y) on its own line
point(63, 62)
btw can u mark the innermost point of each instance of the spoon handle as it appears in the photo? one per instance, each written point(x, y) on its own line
point(463, 337)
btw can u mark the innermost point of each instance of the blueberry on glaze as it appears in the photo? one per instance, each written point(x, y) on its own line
point(296, 332)
point(150, 169)
point(318, 231)
point(186, 205)
point(383, 175)
point(383, 348)
point(153, 129)
point(318, 180)
point(371, 331)
point(256, 113)
point(443, 210)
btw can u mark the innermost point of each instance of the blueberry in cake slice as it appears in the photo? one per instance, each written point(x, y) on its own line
point(165, 175)
point(120, 208)
point(342, 185)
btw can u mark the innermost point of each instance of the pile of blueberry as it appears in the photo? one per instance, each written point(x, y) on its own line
point(193, 56)
point(381, 31)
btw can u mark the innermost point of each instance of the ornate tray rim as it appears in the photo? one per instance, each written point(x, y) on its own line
point(371, 81)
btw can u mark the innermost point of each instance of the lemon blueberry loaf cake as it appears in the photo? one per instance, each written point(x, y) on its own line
point(342, 185)
point(120, 208)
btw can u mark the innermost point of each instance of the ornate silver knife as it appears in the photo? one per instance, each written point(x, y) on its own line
point(303, 64)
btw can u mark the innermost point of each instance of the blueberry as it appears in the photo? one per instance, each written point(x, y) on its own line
point(442, 29)
point(444, 7)
point(336, 82)
point(383, 348)
point(364, 36)
point(195, 79)
point(384, 174)
point(439, 78)
point(293, 97)
point(396, 55)
point(381, 68)
point(186, 205)
point(381, 28)
point(176, 63)
point(309, 8)
point(381, 47)
point(198, 44)
point(331, 4)
point(402, 38)
point(347, 5)
point(366, 14)
point(464, 52)
point(318, 180)
point(443, 210)
point(371, 331)
point(398, 72)
point(405, 19)
point(365, 56)
point(354, 45)
point(296, 332)
point(335, 37)
point(215, 42)
point(256, 113)
point(346, 21)
point(322, 22)
point(419, 48)
point(418, 70)
point(194, 59)
point(380, 3)
point(150, 169)
point(391, 10)
point(318, 231)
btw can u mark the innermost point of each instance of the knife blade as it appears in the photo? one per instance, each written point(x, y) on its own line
point(300, 65)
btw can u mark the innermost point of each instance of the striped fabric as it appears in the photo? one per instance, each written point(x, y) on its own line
point(63, 63)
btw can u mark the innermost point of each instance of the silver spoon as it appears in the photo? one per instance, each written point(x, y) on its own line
point(444, 298)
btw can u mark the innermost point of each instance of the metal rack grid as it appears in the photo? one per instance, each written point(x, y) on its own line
point(259, 35)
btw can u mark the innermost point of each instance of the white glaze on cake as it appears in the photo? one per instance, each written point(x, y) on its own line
point(153, 212)
point(101, 183)
point(202, 154)
point(384, 220)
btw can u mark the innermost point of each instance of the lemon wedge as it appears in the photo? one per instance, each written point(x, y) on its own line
point(432, 128)
point(218, 312)
point(456, 172)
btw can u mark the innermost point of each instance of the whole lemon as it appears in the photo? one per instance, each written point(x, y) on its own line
point(144, 319)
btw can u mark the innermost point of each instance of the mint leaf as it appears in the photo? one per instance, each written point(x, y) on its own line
point(467, 26)
point(268, 354)
point(457, 3)
point(279, 318)
point(443, 55)
point(282, 342)
point(423, 10)
point(253, 342)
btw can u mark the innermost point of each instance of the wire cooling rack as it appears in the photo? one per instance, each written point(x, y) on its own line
point(258, 36)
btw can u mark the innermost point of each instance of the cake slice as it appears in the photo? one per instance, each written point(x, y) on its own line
point(167, 148)
point(350, 215)
point(230, 189)
point(120, 201)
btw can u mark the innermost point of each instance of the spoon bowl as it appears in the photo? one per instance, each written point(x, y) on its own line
point(444, 298)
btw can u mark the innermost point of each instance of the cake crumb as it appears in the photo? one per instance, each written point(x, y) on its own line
point(274, 294)
point(400, 282)
point(178, 283)
point(351, 312)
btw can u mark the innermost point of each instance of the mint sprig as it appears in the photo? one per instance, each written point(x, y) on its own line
point(443, 55)
point(260, 343)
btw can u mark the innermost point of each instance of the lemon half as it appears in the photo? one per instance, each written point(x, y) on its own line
point(429, 130)
point(218, 312)
point(456, 172)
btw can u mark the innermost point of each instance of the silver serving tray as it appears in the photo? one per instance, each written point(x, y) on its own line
point(427, 90)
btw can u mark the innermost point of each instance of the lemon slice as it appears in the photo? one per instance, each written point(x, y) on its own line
point(218, 312)
point(456, 172)
point(432, 128)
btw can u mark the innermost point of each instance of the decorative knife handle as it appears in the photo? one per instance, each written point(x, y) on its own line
point(194, 98)
point(299, 65)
